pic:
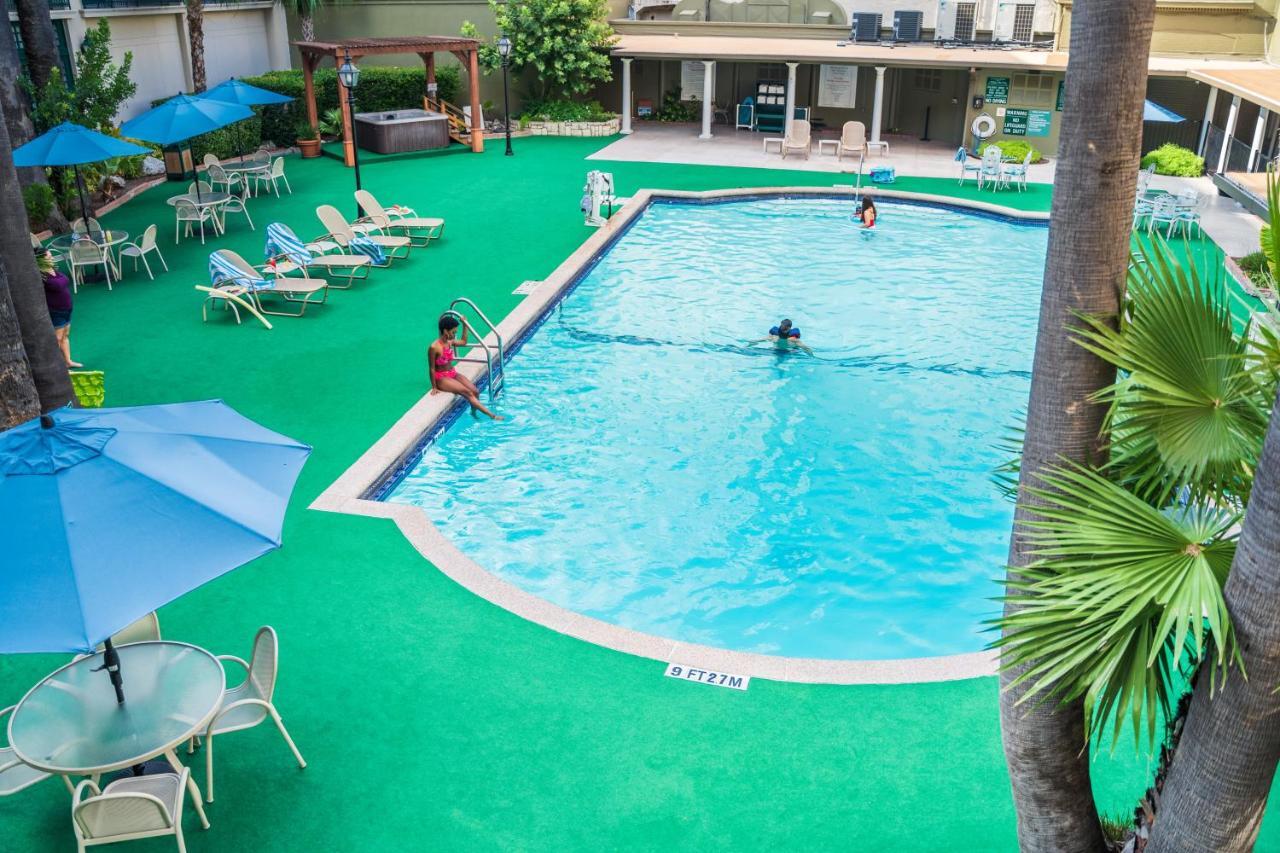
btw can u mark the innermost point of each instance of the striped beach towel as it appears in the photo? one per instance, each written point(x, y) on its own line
point(223, 272)
point(364, 246)
point(282, 241)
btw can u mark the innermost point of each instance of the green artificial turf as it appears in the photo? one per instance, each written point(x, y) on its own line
point(430, 718)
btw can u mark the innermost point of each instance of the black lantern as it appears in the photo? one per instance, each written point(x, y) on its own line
point(504, 50)
point(349, 74)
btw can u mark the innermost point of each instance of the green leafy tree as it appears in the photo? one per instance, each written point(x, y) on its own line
point(564, 42)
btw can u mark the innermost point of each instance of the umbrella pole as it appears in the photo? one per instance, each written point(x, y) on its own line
point(111, 663)
point(84, 208)
point(196, 172)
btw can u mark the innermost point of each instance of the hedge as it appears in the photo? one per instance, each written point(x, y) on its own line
point(1014, 149)
point(1173, 159)
point(381, 88)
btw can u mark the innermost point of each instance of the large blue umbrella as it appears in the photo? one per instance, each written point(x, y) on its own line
point(72, 145)
point(1151, 111)
point(182, 117)
point(111, 513)
point(235, 91)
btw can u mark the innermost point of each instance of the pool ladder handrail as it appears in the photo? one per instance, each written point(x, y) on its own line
point(496, 373)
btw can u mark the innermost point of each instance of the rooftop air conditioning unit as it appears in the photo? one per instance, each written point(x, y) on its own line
point(866, 26)
point(906, 25)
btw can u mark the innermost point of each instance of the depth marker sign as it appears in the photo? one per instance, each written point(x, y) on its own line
point(706, 676)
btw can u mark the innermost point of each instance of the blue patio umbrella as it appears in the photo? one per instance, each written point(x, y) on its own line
point(182, 117)
point(235, 91)
point(73, 145)
point(111, 513)
point(1151, 111)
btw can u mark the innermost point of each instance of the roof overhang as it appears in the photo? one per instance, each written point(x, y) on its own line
point(1260, 84)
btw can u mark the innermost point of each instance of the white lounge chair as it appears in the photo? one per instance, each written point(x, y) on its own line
point(798, 138)
point(140, 248)
point(249, 703)
point(340, 232)
point(235, 271)
point(130, 808)
point(420, 230)
point(290, 254)
point(853, 140)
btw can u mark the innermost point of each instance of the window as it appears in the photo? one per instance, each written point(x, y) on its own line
point(929, 79)
point(1033, 90)
point(966, 15)
point(64, 51)
point(1023, 18)
point(771, 71)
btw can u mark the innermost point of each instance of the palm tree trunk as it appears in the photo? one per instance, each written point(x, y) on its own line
point(1218, 783)
point(1085, 269)
point(195, 27)
point(307, 22)
point(18, 399)
point(48, 369)
point(17, 115)
point(38, 39)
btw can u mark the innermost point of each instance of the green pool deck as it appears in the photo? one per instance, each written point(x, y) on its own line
point(431, 719)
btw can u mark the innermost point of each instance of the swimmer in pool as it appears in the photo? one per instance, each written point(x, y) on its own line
point(785, 335)
point(444, 377)
point(867, 212)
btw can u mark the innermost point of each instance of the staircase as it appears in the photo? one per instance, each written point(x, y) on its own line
point(459, 130)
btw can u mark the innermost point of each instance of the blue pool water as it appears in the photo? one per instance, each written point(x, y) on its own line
point(661, 474)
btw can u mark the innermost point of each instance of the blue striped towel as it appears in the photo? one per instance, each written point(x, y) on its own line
point(364, 246)
point(282, 241)
point(222, 271)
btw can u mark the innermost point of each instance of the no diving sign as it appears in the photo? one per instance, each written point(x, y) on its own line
point(707, 676)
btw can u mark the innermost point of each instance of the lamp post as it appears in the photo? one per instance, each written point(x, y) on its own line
point(349, 74)
point(504, 49)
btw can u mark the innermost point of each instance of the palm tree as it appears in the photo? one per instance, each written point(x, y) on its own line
point(306, 12)
point(14, 101)
point(38, 39)
point(195, 31)
point(1219, 780)
point(47, 368)
point(18, 400)
point(1084, 273)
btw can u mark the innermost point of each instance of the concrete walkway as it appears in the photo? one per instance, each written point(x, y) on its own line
point(1224, 219)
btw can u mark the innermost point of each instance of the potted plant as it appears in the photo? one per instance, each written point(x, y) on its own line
point(308, 139)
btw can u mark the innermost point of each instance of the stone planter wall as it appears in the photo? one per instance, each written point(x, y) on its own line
point(575, 128)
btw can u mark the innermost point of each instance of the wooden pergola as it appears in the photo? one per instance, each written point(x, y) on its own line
point(426, 47)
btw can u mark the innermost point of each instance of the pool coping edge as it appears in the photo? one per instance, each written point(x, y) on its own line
point(347, 494)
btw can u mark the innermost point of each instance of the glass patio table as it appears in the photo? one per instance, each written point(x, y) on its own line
point(71, 725)
point(108, 238)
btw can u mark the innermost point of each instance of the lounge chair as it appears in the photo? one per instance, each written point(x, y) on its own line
point(290, 254)
point(340, 232)
point(226, 268)
point(853, 140)
point(403, 220)
point(797, 138)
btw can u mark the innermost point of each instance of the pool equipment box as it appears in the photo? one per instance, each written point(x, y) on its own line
point(707, 676)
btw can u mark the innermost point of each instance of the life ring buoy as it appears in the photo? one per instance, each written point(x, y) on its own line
point(983, 126)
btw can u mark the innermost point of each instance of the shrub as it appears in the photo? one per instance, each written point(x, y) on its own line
point(563, 110)
point(1175, 160)
point(38, 199)
point(1014, 149)
point(566, 42)
point(674, 109)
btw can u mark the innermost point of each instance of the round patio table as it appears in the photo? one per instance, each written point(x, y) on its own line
point(209, 199)
point(71, 725)
point(108, 238)
point(247, 168)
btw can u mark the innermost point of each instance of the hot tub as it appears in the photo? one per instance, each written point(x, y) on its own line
point(401, 130)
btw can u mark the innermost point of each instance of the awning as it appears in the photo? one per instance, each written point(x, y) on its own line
point(1259, 85)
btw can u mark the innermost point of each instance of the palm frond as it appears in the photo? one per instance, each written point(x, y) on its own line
point(1119, 595)
point(1005, 475)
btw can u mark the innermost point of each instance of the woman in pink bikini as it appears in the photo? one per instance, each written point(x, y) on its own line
point(444, 377)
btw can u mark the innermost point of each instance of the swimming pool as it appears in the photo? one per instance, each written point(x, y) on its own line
point(660, 473)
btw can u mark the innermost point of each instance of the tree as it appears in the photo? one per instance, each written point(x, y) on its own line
point(18, 399)
point(1085, 267)
point(47, 367)
point(38, 39)
point(195, 30)
point(17, 112)
point(565, 42)
point(306, 12)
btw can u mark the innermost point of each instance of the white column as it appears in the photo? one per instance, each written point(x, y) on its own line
point(877, 105)
point(1258, 130)
point(789, 103)
point(1208, 118)
point(1228, 132)
point(708, 94)
point(626, 94)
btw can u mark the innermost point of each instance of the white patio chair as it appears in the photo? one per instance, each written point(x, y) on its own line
point(853, 140)
point(967, 168)
point(991, 170)
point(1187, 206)
point(1016, 173)
point(14, 775)
point(221, 179)
point(210, 159)
point(1164, 211)
point(86, 253)
point(205, 188)
point(186, 211)
point(130, 808)
point(140, 248)
point(274, 177)
point(84, 226)
point(249, 703)
point(798, 137)
point(235, 204)
point(1142, 207)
